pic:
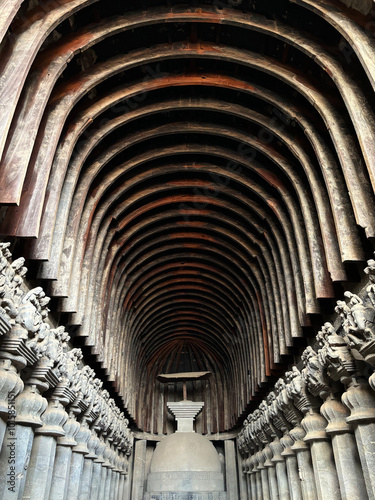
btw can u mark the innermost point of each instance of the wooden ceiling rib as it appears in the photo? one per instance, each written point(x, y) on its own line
point(190, 182)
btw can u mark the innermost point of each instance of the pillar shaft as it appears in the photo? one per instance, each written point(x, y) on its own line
point(85, 484)
point(39, 474)
point(75, 475)
point(281, 476)
point(360, 400)
point(348, 465)
point(291, 467)
point(103, 478)
point(14, 457)
point(265, 484)
point(95, 481)
point(61, 471)
point(305, 467)
point(322, 456)
point(364, 435)
point(293, 478)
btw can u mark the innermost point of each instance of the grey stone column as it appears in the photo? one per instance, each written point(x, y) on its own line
point(291, 467)
point(322, 456)
point(39, 474)
point(128, 477)
point(262, 470)
point(29, 406)
point(103, 481)
point(88, 467)
point(360, 400)
point(61, 469)
point(108, 465)
point(231, 470)
point(10, 386)
point(76, 465)
point(117, 484)
point(97, 471)
point(241, 454)
point(305, 467)
point(109, 483)
point(139, 470)
point(124, 466)
point(95, 480)
point(271, 472)
point(352, 484)
point(252, 478)
point(257, 478)
point(281, 475)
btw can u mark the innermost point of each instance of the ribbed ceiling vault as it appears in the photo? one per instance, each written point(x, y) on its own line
point(190, 181)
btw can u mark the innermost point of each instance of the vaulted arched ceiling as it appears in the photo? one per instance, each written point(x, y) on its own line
point(191, 180)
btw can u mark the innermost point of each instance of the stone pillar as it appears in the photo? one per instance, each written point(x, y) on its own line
point(271, 472)
point(128, 478)
point(139, 469)
point(281, 475)
point(258, 479)
point(352, 485)
point(39, 474)
point(88, 467)
point(231, 470)
point(61, 470)
point(123, 479)
point(103, 481)
point(76, 465)
point(360, 400)
point(291, 467)
point(305, 467)
point(30, 404)
point(322, 456)
point(252, 478)
point(10, 386)
point(262, 472)
point(97, 471)
point(108, 466)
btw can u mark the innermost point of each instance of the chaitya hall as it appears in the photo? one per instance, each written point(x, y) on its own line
point(187, 237)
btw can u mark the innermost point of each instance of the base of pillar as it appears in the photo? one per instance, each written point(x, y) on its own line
point(185, 495)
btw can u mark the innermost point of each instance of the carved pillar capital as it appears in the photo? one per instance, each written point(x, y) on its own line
point(336, 414)
point(30, 405)
point(53, 419)
point(360, 400)
point(286, 404)
point(297, 390)
point(10, 383)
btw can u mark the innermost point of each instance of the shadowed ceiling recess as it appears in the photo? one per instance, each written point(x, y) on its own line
point(191, 180)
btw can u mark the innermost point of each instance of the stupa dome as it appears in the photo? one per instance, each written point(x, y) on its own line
point(185, 451)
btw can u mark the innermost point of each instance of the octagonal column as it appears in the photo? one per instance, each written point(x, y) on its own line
point(360, 400)
point(263, 475)
point(305, 466)
point(60, 475)
point(39, 474)
point(88, 467)
point(29, 406)
point(271, 472)
point(281, 475)
point(291, 467)
point(76, 465)
point(352, 484)
point(322, 455)
point(97, 471)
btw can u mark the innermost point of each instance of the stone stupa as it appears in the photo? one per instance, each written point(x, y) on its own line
point(185, 465)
